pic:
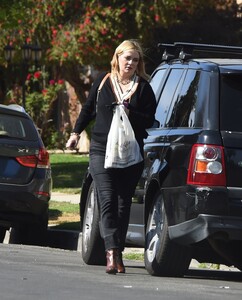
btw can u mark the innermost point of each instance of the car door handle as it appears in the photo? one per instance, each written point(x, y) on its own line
point(152, 155)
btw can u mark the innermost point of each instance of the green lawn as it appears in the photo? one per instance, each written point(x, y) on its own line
point(64, 215)
point(68, 171)
point(67, 174)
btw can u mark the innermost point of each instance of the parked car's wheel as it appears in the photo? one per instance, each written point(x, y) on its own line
point(162, 256)
point(93, 251)
point(31, 233)
point(2, 233)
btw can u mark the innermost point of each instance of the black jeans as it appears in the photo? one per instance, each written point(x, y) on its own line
point(115, 189)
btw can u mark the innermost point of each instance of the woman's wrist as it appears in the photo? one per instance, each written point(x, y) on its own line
point(75, 133)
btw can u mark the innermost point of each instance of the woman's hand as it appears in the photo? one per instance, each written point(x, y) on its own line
point(73, 140)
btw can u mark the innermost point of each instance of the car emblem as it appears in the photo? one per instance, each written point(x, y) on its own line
point(23, 150)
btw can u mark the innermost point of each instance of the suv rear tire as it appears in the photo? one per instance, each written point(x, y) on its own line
point(162, 256)
point(93, 251)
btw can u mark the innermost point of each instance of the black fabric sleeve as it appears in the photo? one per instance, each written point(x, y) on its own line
point(88, 111)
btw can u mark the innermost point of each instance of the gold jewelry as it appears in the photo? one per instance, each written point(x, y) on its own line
point(123, 82)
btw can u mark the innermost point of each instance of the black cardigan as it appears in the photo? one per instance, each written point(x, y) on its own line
point(141, 110)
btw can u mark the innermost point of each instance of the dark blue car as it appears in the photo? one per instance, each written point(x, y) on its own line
point(25, 178)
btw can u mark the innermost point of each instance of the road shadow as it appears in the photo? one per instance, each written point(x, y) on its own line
point(214, 274)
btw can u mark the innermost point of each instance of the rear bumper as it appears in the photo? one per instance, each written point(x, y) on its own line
point(23, 204)
point(204, 226)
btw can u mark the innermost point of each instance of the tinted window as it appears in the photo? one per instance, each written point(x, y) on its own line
point(157, 80)
point(231, 102)
point(167, 95)
point(183, 113)
point(17, 127)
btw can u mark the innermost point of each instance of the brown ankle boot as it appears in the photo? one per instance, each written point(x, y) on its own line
point(111, 256)
point(120, 264)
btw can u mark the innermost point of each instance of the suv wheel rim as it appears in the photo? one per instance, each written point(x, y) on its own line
point(87, 228)
point(154, 229)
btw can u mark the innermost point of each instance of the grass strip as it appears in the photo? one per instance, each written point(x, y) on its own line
point(68, 171)
point(64, 215)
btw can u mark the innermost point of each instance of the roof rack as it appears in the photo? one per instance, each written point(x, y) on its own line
point(184, 50)
point(169, 51)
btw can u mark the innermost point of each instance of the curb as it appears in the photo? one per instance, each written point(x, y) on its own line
point(64, 239)
point(56, 238)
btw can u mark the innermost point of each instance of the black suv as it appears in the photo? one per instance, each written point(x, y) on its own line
point(189, 200)
point(25, 178)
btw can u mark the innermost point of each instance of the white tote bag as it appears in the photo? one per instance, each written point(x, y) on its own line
point(122, 149)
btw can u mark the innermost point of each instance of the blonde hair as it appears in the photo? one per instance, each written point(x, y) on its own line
point(129, 45)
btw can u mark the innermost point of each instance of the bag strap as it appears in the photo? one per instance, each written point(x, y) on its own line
point(100, 87)
point(102, 82)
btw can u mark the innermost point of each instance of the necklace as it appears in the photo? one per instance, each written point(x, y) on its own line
point(123, 82)
point(118, 91)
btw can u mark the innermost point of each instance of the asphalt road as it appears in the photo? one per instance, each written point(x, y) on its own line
point(37, 273)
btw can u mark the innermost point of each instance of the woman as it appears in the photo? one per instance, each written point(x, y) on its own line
point(127, 85)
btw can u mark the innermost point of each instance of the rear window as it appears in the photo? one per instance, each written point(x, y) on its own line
point(17, 127)
point(231, 102)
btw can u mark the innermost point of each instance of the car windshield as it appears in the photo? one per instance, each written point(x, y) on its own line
point(231, 102)
point(16, 127)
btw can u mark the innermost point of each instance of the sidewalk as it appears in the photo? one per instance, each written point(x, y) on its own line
point(62, 197)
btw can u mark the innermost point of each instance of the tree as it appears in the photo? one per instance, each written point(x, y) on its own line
point(203, 22)
point(76, 33)
point(72, 33)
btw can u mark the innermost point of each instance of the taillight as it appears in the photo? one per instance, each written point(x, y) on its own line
point(206, 166)
point(43, 159)
point(35, 161)
point(29, 161)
